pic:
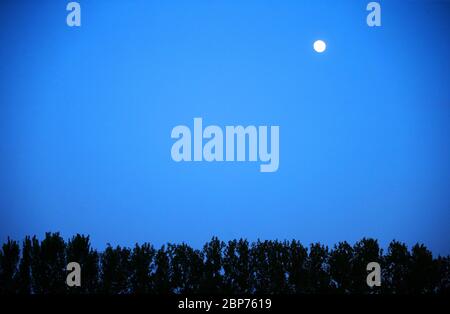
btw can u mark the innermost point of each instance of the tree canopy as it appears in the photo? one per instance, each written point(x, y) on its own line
point(236, 267)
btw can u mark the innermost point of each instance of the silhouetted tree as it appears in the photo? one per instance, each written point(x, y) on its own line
point(319, 280)
point(296, 267)
point(186, 265)
point(79, 250)
point(264, 267)
point(48, 264)
point(269, 264)
point(142, 266)
point(422, 270)
point(116, 270)
point(259, 267)
point(364, 252)
point(340, 261)
point(396, 268)
point(23, 278)
point(162, 277)
point(9, 259)
point(236, 265)
point(443, 275)
point(213, 272)
point(278, 259)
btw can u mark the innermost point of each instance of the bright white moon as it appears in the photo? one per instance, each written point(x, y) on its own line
point(320, 46)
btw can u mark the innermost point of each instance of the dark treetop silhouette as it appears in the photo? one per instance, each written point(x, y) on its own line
point(236, 267)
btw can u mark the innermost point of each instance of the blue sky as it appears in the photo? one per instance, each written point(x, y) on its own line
point(86, 116)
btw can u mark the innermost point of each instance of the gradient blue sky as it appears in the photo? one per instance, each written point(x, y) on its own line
point(86, 116)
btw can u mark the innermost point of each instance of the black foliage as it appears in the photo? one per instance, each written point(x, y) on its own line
point(79, 249)
point(48, 263)
point(236, 267)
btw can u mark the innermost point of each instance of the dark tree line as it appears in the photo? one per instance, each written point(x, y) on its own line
point(236, 267)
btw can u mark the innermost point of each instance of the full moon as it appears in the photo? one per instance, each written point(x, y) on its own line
point(320, 46)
